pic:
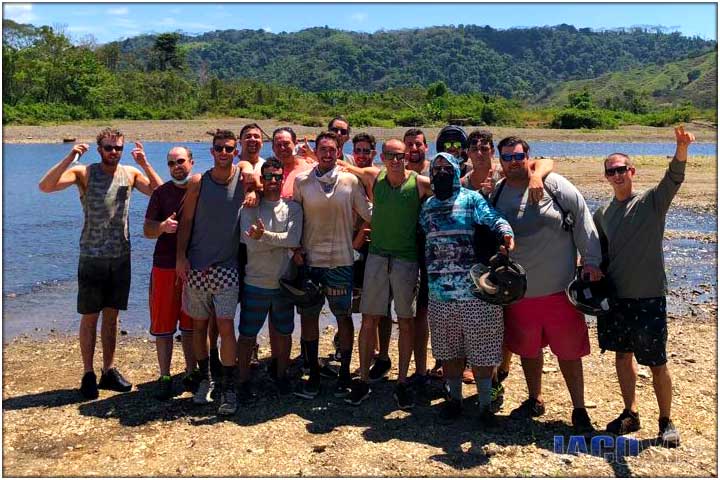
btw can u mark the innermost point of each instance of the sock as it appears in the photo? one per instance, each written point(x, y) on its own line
point(311, 356)
point(215, 365)
point(228, 375)
point(483, 388)
point(345, 357)
point(455, 388)
point(204, 367)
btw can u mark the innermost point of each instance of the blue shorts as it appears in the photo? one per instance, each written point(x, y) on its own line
point(257, 303)
point(336, 284)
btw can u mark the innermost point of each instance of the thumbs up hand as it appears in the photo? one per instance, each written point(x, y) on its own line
point(170, 224)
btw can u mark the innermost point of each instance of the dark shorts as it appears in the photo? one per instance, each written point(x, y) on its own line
point(103, 283)
point(336, 284)
point(637, 326)
point(258, 303)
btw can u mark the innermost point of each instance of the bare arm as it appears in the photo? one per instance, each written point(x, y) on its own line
point(539, 169)
point(367, 175)
point(250, 183)
point(184, 227)
point(424, 188)
point(145, 184)
point(59, 177)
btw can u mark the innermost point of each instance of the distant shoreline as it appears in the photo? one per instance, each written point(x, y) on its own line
point(196, 131)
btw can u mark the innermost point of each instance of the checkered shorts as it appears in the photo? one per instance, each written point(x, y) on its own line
point(214, 279)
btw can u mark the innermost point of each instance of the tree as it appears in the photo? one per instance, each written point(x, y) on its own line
point(166, 52)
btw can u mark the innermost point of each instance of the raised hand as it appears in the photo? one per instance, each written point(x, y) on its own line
point(256, 230)
point(683, 140)
point(77, 151)
point(138, 154)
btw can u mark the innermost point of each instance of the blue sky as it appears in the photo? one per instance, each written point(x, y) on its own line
point(112, 21)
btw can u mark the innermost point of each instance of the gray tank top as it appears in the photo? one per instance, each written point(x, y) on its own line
point(105, 205)
point(216, 228)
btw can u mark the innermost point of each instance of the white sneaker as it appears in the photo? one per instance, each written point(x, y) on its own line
point(203, 393)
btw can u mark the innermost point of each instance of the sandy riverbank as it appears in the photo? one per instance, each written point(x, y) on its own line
point(49, 431)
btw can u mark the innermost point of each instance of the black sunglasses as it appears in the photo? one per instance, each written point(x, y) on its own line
point(513, 157)
point(610, 172)
point(269, 176)
point(172, 163)
point(397, 156)
point(220, 148)
point(480, 148)
point(341, 131)
point(110, 148)
point(362, 151)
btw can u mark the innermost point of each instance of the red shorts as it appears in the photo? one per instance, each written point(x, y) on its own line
point(534, 323)
point(165, 302)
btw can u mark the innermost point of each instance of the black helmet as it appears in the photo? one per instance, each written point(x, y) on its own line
point(591, 298)
point(298, 287)
point(449, 134)
point(501, 282)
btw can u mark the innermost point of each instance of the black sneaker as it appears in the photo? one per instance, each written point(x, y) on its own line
point(88, 386)
point(379, 370)
point(113, 380)
point(497, 397)
point(488, 420)
point(668, 433)
point(327, 371)
point(359, 392)
point(581, 422)
point(529, 408)
point(308, 389)
point(164, 388)
point(190, 381)
point(245, 393)
point(342, 387)
point(228, 400)
point(627, 422)
point(403, 396)
point(451, 409)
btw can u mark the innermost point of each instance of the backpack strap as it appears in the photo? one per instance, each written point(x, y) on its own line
point(498, 190)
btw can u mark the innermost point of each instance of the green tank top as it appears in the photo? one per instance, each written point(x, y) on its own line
point(394, 218)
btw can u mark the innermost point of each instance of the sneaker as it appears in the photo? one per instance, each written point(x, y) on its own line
point(164, 388)
point(627, 422)
point(342, 387)
point(497, 397)
point(451, 409)
point(581, 422)
point(190, 381)
point(228, 401)
point(488, 420)
point(113, 380)
point(529, 408)
point(203, 394)
point(359, 392)
point(379, 370)
point(403, 396)
point(254, 360)
point(468, 377)
point(308, 389)
point(669, 434)
point(88, 386)
point(327, 371)
point(437, 370)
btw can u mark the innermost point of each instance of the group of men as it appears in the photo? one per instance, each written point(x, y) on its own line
point(406, 232)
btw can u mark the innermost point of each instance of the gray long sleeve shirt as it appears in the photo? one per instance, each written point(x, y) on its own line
point(634, 231)
point(269, 256)
point(546, 251)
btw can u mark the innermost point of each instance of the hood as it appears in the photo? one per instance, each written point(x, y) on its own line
point(456, 168)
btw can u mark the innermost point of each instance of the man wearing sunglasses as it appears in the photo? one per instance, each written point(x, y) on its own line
point(208, 238)
point(631, 229)
point(453, 140)
point(328, 197)
point(547, 247)
point(104, 266)
point(341, 127)
point(161, 220)
point(270, 231)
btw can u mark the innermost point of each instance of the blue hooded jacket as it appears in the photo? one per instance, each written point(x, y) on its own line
point(449, 228)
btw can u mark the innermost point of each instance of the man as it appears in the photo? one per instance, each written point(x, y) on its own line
point(328, 197)
point(104, 266)
point(208, 237)
point(453, 140)
point(165, 289)
point(631, 230)
point(547, 246)
point(391, 270)
point(284, 140)
point(251, 143)
point(269, 231)
point(461, 326)
point(415, 149)
point(341, 127)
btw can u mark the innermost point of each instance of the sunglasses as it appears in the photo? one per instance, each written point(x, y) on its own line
point(481, 148)
point(390, 156)
point(341, 131)
point(362, 151)
point(610, 172)
point(172, 163)
point(513, 157)
point(110, 148)
point(449, 145)
point(446, 169)
point(269, 176)
point(220, 148)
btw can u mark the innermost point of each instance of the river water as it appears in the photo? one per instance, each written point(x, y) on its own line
point(41, 234)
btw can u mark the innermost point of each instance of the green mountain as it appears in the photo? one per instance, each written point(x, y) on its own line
point(692, 80)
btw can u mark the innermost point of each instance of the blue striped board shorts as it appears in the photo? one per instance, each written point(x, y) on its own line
point(257, 303)
point(336, 284)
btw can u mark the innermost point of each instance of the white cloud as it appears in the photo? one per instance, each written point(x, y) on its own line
point(118, 11)
point(19, 12)
point(267, 29)
point(359, 17)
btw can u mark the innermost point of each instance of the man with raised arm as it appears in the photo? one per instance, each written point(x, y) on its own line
point(631, 230)
point(104, 266)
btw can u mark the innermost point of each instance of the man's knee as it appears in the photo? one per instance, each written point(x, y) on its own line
point(624, 357)
point(225, 327)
